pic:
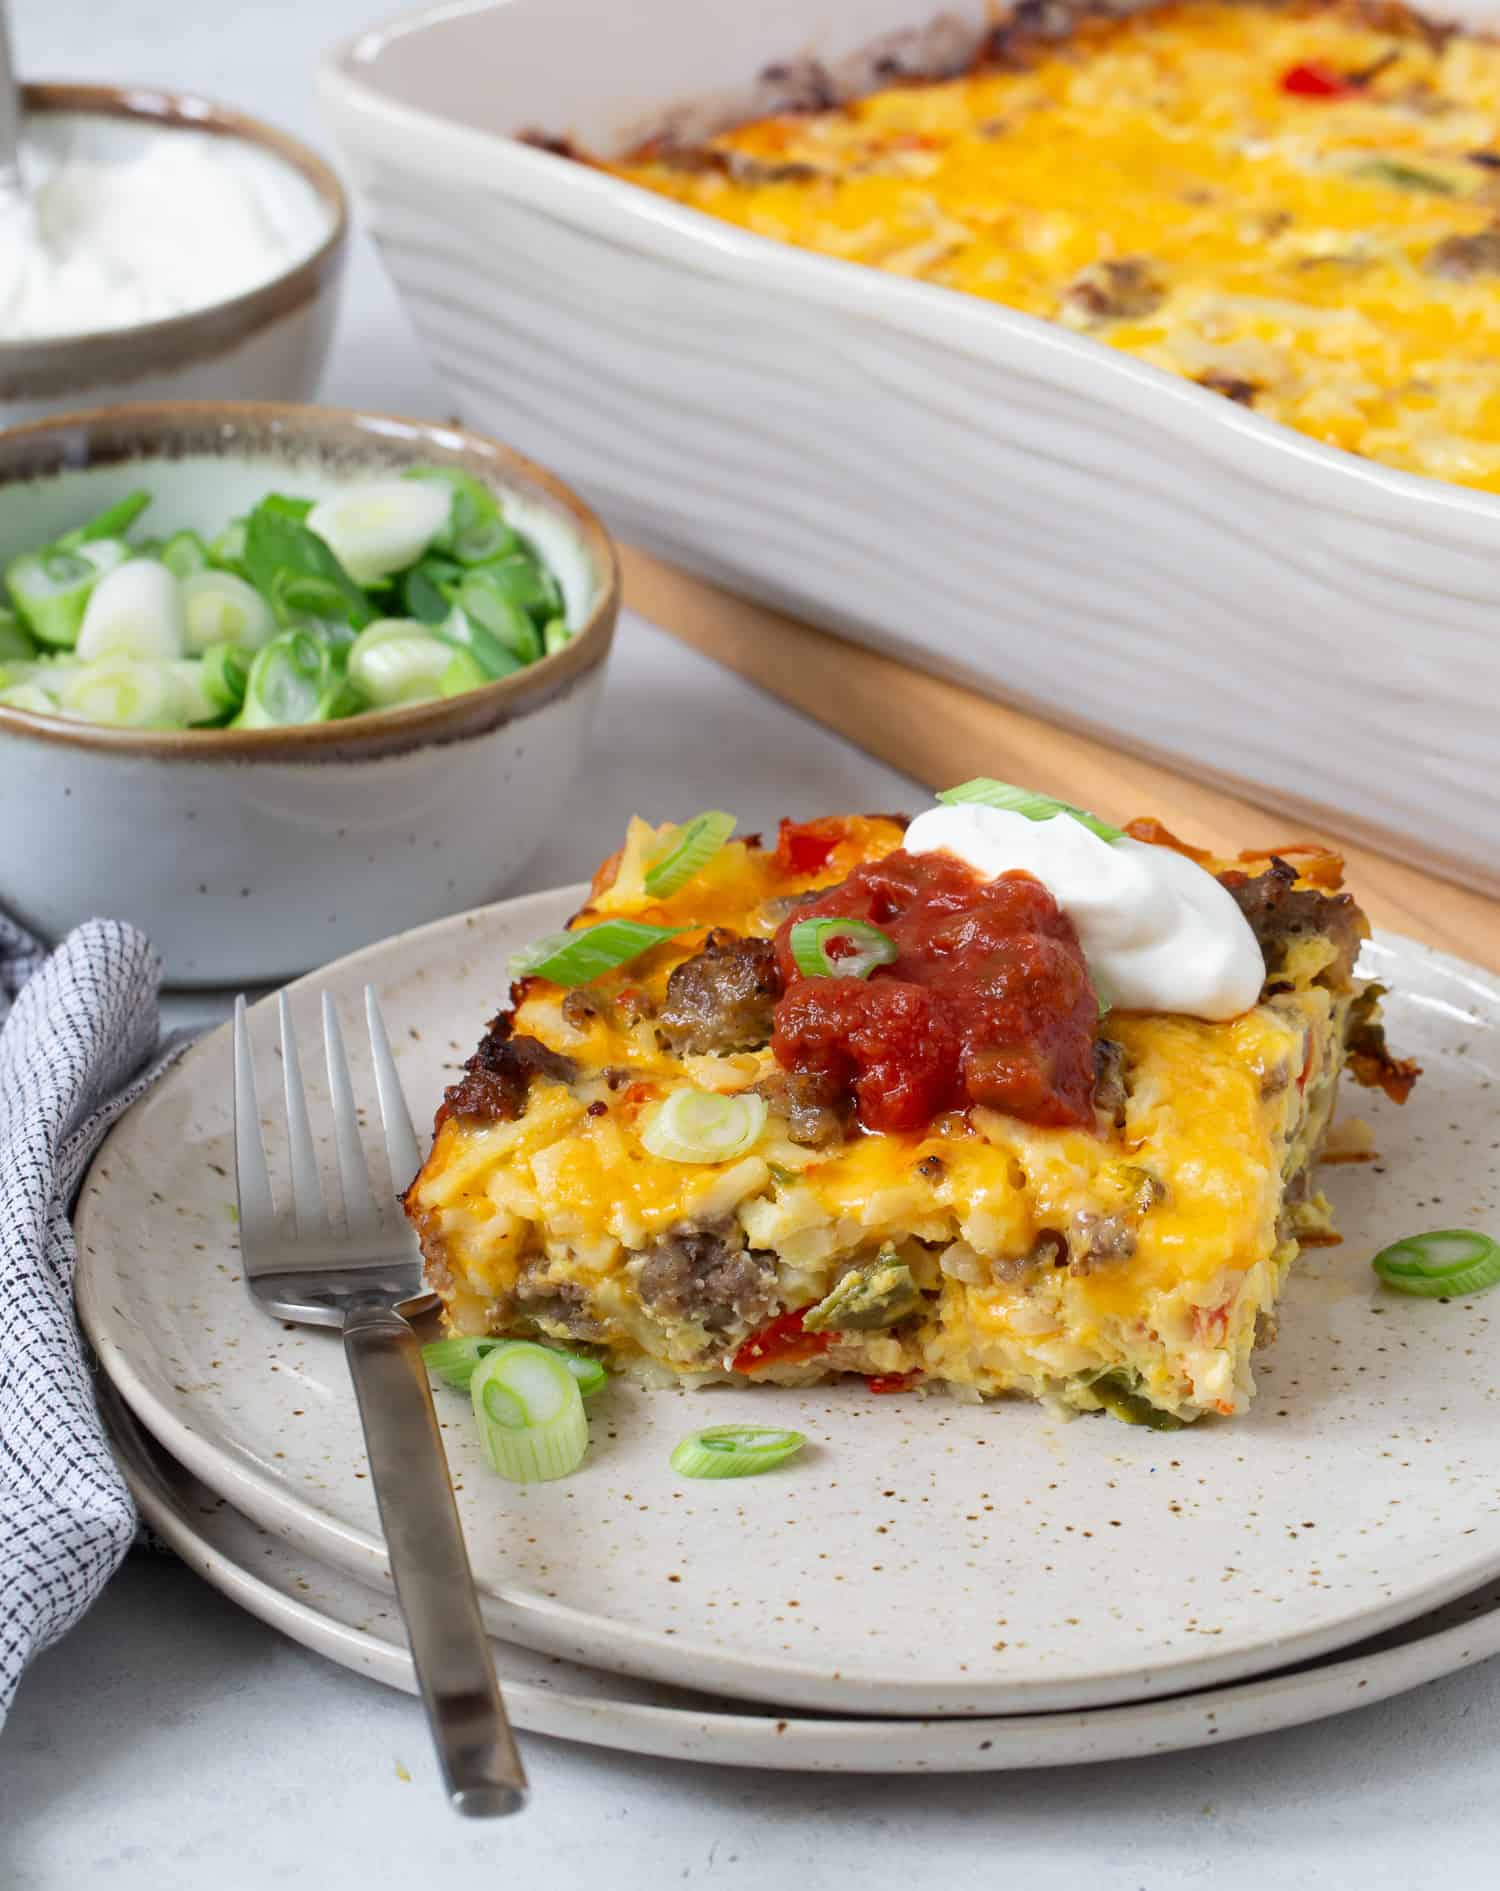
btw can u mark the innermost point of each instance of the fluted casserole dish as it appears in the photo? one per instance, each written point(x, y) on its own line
point(1121, 513)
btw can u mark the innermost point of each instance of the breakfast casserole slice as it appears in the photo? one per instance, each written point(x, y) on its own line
point(1011, 1102)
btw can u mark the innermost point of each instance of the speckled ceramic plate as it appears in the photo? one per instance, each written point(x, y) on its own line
point(924, 1557)
point(337, 1616)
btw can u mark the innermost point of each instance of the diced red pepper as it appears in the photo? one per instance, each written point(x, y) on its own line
point(1316, 80)
point(891, 1381)
point(782, 1343)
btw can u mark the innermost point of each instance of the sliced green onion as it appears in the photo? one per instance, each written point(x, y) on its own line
point(474, 529)
point(288, 507)
point(104, 554)
point(227, 551)
point(29, 696)
point(113, 522)
point(1448, 1263)
point(134, 611)
point(1405, 176)
point(379, 526)
point(525, 581)
point(688, 851)
point(704, 1126)
point(123, 693)
point(1036, 807)
point(226, 673)
point(184, 553)
point(555, 634)
point(460, 630)
point(574, 958)
point(218, 607)
point(297, 571)
point(288, 683)
point(478, 597)
point(809, 940)
point(530, 1415)
point(454, 1360)
point(15, 641)
point(395, 660)
point(735, 1451)
point(51, 591)
point(194, 707)
point(421, 589)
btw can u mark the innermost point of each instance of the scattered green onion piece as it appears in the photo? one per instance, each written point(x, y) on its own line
point(226, 673)
point(555, 634)
point(184, 554)
point(809, 940)
point(1035, 807)
point(105, 554)
point(50, 589)
point(574, 958)
point(1405, 176)
point(113, 522)
point(124, 693)
point(704, 1126)
point(459, 629)
point(28, 696)
point(454, 1361)
point(379, 526)
point(134, 611)
point(288, 683)
point(193, 706)
point(16, 643)
point(218, 607)
point(478, 597)
point(529, 1411)
point(1446, 1264)
point(688, 851)
point(735, 1451)
point(288, 507)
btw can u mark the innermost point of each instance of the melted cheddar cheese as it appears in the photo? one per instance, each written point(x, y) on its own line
point(1297, 207)
point(1131, 1262)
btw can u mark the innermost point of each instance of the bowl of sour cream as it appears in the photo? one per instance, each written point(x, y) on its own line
point(174, 249)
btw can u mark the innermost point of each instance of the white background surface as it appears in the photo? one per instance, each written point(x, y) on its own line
point(174, 1742)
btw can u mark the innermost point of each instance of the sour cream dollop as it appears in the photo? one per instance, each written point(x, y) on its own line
point(1158, 931)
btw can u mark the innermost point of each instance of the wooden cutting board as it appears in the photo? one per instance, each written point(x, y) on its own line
point(940, 733)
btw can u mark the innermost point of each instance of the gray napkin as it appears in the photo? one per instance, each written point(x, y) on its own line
point(78, 1045)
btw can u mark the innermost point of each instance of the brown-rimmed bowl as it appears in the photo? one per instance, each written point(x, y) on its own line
point(249, 855)
point(268, 343)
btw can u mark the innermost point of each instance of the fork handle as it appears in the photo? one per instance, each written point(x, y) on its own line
point(434, 1586)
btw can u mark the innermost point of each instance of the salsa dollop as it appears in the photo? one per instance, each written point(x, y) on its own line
point(988, 1000)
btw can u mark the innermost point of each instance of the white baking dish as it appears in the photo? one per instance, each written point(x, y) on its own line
point(999, 499)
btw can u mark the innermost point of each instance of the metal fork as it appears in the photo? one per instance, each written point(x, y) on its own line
point(363, 1276)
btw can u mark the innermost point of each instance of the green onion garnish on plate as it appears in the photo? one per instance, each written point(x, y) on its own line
point(982, 792)
point(1446, 1264)
point(574, 958)
point(688, 851)
point(865, 947)
point(735, 1451)
point(454, 1361)
point(704, 1126)
point(529, 1411)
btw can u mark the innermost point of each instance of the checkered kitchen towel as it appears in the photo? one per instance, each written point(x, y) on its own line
point(78, 1044)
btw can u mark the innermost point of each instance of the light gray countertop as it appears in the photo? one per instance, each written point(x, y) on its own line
point(173, 1742)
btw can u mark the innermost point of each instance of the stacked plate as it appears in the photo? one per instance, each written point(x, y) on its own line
point(932, 1584)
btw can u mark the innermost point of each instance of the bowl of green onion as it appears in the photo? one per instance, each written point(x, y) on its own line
point(276, 681)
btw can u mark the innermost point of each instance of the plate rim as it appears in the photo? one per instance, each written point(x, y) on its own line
point(998, 1743)
point(561, 1629)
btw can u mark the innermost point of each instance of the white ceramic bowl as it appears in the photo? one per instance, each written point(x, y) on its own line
point(268, 343)
point(249, 855)
point(999, 499)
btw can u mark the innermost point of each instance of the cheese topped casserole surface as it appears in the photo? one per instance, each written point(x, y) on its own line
point(1296, 207)
point(1097, 1210)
